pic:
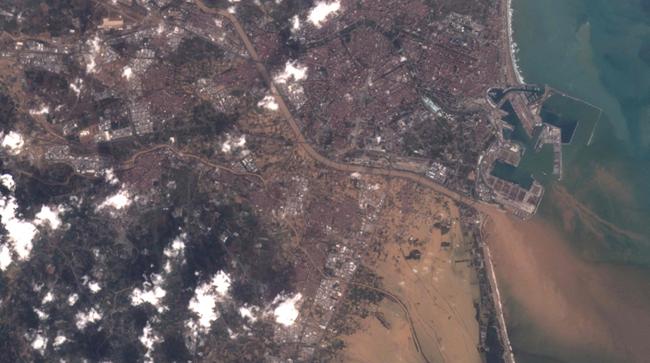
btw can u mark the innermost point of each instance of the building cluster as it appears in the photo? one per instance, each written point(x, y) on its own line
point(209, 27)
point(295, 202)
point(340, 265)
point(219, 96)
point(373, 98)
point(248, 162)
point(339, 269)
point(92, 165)
point(47, 56)
point(438, 173)
point(141, 117)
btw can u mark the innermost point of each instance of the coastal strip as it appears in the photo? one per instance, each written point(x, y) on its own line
point(508, 355)
point(493, 333)
point(513, 49)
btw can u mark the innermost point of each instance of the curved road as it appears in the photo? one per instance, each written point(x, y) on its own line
point(308, 149)
point(369, 170)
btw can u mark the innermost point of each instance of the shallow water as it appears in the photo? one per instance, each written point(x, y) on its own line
point(599, 51)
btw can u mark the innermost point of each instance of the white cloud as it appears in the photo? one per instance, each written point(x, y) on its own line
point(8, 181)
point(109, 175)
point(151, 293)
point(41, 314)
point(39, 343)
point(5, 257)
point(76, 86)
point(268, 102)
point(118, 201)
point(174, 250)
point(233, 143)
point(206, 297)
point(20, 232)
point(161, 28)
point(49, 216)
point(240, 141)
point(295, 23)
point(83, 319)
point(59, 340)
point(292, 72)
point(226, 146)
point(322, 11)
point(127, 72)
point(286, 313)
point(72, 299)
point(13, 141)
point(49, 297)
point(177, 246)
point(94, 287)
point(7, 214)
point(249, 312)
point(43, 111)
point(148, 339)
point(95, 50)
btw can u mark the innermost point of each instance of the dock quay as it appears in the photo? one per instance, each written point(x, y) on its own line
point(552, 135)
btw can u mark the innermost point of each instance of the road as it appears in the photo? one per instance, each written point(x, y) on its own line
point(301, 141)
point(130, 163)
point(394, 298)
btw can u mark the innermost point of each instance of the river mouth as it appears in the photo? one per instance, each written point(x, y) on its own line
point(561, 307)
point(577, 276)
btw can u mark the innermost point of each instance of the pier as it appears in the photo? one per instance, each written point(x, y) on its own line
point(552, 135)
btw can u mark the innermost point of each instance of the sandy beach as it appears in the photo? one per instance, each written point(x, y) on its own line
point(577, 306)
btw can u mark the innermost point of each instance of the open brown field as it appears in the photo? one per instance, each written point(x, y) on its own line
point(437, 291)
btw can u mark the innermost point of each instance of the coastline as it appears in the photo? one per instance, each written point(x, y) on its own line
point(566, 298)
point(509, 356)
point(513, 75)
point(566, 307)
point(494, 341)
point(513, 49)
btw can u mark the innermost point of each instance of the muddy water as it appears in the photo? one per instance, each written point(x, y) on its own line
point(577, 277)
point(562, 308)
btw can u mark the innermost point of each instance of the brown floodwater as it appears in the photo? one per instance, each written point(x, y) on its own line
point(562, 306)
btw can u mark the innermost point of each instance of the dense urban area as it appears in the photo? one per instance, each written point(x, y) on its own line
point(220, 181)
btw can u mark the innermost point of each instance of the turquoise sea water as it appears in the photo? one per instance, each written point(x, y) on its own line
point(599, 51)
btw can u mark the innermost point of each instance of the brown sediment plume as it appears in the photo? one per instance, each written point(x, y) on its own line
point(607, 181)
point(580, 306)
point(572, 208)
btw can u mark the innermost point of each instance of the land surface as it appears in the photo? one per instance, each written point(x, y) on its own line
point(436, 284)
point(184, 181)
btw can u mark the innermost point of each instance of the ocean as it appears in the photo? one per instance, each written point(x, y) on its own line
point(597, 51)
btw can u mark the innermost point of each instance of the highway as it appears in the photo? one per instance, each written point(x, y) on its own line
point(301, 141)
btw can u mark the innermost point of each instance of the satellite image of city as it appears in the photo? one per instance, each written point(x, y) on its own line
point(360, 181)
